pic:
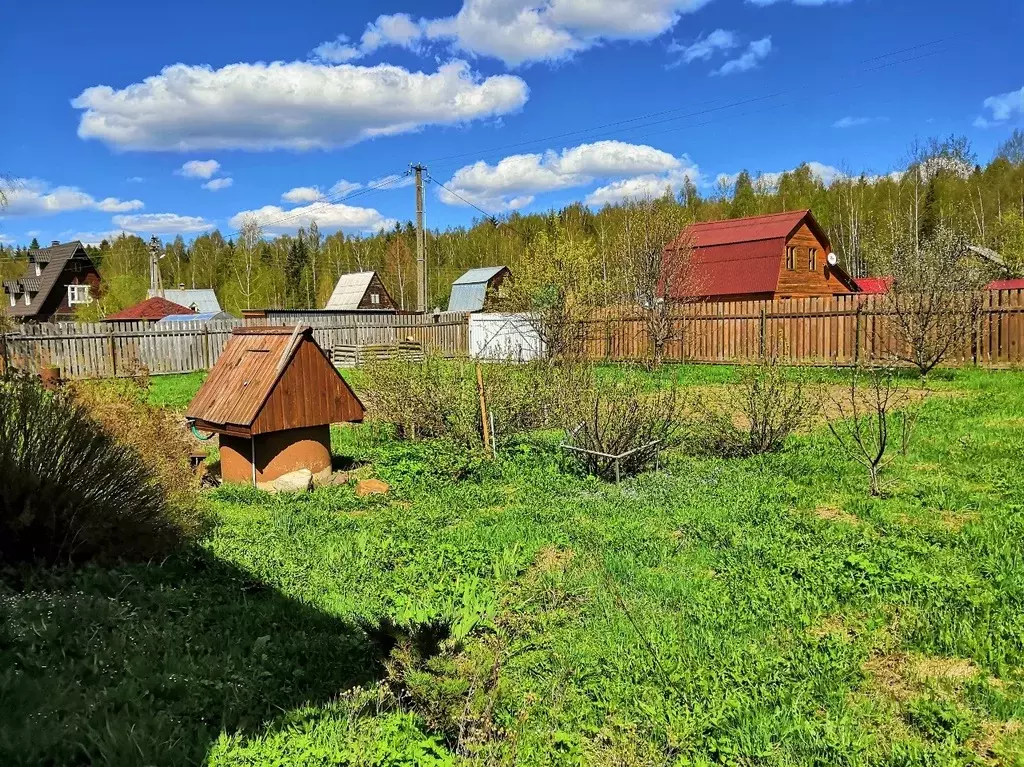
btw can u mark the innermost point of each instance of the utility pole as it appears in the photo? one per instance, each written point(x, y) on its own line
point(421, 244)
point(156, 283)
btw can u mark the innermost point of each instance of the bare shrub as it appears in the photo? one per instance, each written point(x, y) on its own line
point(612, 418)
point(871, 418)
point(771, 402)
point(70, 491)
point(933, 297)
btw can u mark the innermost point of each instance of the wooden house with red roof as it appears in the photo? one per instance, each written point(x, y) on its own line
point(782, 255)
point(272, 397)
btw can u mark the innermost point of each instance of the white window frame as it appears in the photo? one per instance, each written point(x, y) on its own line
point(375, 299)
point(75, 292)
point(28, 299)
point(39, 271)
point(14, 300)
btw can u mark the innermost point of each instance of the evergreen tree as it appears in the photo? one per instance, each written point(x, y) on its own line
point(34, 245)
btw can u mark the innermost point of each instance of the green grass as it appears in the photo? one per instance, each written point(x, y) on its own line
point(753, 611)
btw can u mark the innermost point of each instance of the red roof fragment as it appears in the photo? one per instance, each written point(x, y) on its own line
point(874, 286)
point(1005, 285)
point(155, 308)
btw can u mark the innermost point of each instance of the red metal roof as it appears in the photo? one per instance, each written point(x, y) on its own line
point(777, 226)
point(155, 308)
point(1005, 285)
point(874, 286)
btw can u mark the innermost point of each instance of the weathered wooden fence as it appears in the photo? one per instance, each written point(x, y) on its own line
point(810, 331)
point(822, 331)
point(106, 350)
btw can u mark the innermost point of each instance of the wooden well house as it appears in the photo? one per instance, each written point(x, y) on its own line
point(272, 397)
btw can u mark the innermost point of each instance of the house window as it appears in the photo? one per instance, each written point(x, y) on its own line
point(790, 257)
point(78, 294)
point(374, 298)
point(812, 259)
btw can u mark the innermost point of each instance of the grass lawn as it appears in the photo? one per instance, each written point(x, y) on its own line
point(742, 611)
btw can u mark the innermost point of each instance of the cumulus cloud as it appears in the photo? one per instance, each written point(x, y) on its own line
point(519, 31)
point(514, 181)
point(344, 187)
point(216, 184)
point(756, 52)
point(328, 217)
point(649, 185)
point(199, 169)
point(95, 238)
point(34, 197)
point(302, 194)
point(162, 223)
point(288, 105)
point(1001, 109)
point(704, 47)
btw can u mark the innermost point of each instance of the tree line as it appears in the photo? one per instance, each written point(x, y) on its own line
point(941, 185)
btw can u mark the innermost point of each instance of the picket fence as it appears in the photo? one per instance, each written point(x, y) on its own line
point(107, 350)
point(808, 331)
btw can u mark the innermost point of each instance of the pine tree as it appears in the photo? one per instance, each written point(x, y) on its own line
point(34, 245)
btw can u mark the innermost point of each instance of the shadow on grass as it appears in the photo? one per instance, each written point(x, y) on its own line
point(149, 664)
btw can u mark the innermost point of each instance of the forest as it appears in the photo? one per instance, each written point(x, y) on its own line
point(942, 184)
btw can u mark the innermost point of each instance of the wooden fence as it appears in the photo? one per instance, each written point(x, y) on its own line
point(810, 331)
point(106, 350)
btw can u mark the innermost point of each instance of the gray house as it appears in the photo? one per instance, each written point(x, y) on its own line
point(478, 289)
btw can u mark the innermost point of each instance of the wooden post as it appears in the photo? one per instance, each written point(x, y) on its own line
point(764, 332)
point(483, 407)
point(113, 353)
point(856, 336)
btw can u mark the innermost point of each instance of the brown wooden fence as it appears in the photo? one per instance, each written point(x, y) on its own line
point(106, 350)
point(809, 331)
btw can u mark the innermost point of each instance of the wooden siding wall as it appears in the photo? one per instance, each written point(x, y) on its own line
point(801, 281)
point(842, 330)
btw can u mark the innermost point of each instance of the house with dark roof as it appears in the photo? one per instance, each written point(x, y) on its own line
point(478, 289)
point(56, 280)
point(782, 255)
point(150, 310)
point(360, 292)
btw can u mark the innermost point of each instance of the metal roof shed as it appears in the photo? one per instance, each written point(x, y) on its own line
point(272, 397)
point(202, 300)
point(469, 292)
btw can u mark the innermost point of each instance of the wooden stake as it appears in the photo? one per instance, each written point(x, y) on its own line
point(483, 407)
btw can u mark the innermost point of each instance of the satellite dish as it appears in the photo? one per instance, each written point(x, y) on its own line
point(832, 259)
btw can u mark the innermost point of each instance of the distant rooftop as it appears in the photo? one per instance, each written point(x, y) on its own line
point(201, 300)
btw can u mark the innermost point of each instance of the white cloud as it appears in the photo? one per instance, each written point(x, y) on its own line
point(827, 174)
point(344, 187)
point(328, 217)
point(216, 184)
point(6, 240)
point(302, 194)
point(135, 179)
point(199, 169)
point(643, 187)
point(34, 197)
point(799, 2)
point(519, 31)
point(518, 177)
point(95, 238)
point(162, 223)
point(291, 105)
point(398, 29)
point(1002, 108)
point(756, 52)
point(705, 47)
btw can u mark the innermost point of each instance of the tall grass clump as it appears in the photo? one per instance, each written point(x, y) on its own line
point(71, 492)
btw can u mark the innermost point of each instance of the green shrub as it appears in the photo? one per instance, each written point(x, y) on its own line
point(70, 491)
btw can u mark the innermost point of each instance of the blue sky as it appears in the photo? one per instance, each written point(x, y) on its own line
point(181, 117)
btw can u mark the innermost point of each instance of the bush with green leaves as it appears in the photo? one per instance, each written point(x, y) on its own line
point(70, 491)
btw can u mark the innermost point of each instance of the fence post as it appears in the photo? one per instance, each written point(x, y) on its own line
point(856, 336)
point(113, 353)
point(763, 331)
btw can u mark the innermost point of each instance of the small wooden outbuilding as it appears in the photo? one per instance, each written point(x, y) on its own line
point(272, 397)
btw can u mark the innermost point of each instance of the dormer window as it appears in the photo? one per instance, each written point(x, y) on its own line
point(28, 300)
point(78, 294)
point(39, 270)
point(375, 298)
